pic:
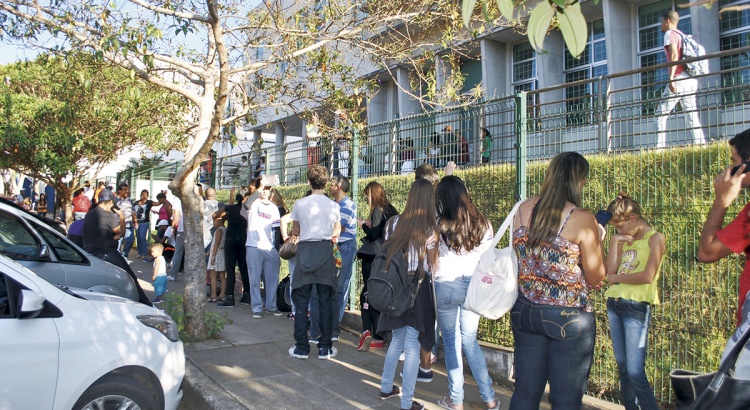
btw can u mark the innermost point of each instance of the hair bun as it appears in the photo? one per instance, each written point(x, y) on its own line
point(623, 195)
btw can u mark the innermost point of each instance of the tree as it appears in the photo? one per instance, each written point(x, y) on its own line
point(288, 56)
point(63, 116)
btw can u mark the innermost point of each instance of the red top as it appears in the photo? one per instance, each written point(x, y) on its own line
point(674, 37)
point(736, 237)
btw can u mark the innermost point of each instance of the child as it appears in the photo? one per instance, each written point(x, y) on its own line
point(633, 264)
point(160, 272)
point(216, 265)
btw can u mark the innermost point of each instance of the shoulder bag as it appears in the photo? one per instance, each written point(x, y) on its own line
point(717, 390)
point(493, 288)
point(289, 249)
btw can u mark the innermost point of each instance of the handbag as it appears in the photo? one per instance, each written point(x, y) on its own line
point(369, 248)
point(289, 249)
point(493, 288)
point(717, 390)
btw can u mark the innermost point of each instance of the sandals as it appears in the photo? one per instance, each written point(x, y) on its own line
point(211, 300)
point(220, 299)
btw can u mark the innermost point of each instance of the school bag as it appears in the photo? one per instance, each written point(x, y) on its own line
point(392, 288)
point(691, 48)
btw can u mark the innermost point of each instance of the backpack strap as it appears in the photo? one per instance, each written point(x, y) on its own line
point(505, 225)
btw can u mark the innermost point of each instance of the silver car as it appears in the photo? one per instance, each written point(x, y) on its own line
point(30, 241)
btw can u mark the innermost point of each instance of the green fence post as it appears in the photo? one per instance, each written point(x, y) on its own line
point(353, 195)
point(521, 144)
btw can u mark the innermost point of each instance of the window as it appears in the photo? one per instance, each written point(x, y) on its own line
point(15, 241)
point(651, 48)
point(581, 98)
point(735, 33)
point(472, 73)
point(525, 79)
point(64, 252)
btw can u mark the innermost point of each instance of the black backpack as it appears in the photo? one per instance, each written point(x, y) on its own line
point(392, 290)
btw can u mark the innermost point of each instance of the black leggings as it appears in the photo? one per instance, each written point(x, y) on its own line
point(370, 316)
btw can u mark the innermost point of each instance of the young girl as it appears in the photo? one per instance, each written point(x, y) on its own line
point(159, 277)
point(464, 235)
point(216, 265)
point(414, 233)
point(633, 263)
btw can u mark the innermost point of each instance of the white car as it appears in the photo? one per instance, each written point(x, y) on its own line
point(61, 350)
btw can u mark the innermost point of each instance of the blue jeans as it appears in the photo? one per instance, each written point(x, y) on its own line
point(160, 285)
point(264, 263)
point(142, 243)
point(405, 340)
point(628, 327)
point(126, 241)
point(459, 329)
point(554, 344)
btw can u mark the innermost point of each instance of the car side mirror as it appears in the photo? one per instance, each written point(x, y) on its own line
point(44, 253)
point(30, 304)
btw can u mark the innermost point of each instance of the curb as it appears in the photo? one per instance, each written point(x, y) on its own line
point(202, 392)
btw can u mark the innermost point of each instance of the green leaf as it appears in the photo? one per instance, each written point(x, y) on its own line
point(574, 29)
point(486, 13)
point(87, 84)
point(539, 21)
point(467, 8)
point(560, 3)
point(506, 8)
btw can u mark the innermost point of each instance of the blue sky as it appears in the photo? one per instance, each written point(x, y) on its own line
point(10, 53)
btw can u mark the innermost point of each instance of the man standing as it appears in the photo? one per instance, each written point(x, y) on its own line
point(680, 88)
point(262, 256)
point(102, 227)
point(316, 220)
point(234, 251)
point(347, 244)
point(126, 205)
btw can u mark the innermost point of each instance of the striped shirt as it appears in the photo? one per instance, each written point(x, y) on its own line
point(348, 220)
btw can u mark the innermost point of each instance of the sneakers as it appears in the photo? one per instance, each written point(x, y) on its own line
point(433, 358)
point(327, 353)
point(377, 344)
point(364, 341)
point(245, 299)
point(157, 300)
point(402, 357)
point(297, 354)
point(424, 376)
point(227, 303)
point(334, 338)
point(313, 341)
point(274, 312)
point(171, 279)
point(290, 316)
point(415, 405)
point(257, 315)
point(394, 392)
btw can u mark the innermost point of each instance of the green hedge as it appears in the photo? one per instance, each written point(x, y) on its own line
point(674, 188)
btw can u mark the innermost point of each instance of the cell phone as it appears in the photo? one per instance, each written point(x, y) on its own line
point(737, 168)
point(603, 217)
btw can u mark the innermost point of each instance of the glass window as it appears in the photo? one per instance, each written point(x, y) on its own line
point(16, 242)
point(64, 252)
point(651, 47)
point(735, 33)
point(581, 99)
point(524, 78)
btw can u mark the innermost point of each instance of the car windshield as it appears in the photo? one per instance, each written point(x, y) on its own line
point(15, 241)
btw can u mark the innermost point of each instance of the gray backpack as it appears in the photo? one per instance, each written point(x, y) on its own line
point(691, 48)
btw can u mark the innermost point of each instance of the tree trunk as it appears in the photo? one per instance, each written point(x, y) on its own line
point(65, 200)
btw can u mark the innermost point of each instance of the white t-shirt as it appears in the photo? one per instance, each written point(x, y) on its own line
point(260, 220)
point(452, 265)
point(160, 265)
point(209, 207)
point(177, 207)
point(316, 215)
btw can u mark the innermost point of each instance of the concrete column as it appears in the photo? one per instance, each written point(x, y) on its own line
point(494, 78)
point(276, 161)
point(407, 105)
point(622, 48)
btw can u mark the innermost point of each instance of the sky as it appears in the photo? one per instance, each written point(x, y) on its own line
point(11, 53)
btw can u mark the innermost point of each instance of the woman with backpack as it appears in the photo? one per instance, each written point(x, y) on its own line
point(464, 235)
point(560, 258)
point(413, 233)
point(380, 211)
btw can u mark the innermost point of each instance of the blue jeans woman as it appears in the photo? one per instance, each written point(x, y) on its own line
point(142, 239)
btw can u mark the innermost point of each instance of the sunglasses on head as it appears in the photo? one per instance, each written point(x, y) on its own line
point(267, 188)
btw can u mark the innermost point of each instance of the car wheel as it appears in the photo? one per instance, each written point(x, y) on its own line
point(116, 393)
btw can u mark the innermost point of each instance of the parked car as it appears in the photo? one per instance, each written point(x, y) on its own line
point(32, 241)
point(66, 350)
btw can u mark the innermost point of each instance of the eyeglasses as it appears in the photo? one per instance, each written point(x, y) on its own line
point(267, 188)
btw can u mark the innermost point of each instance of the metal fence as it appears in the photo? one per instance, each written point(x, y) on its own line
point(618, 119)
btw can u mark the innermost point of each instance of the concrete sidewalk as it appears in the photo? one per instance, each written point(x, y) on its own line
point(249, 368)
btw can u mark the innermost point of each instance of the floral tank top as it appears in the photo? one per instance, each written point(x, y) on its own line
point(551, 273)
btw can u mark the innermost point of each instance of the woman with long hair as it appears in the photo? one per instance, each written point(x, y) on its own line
point(464, 235)
point(633, 263)
point(560, 259)
point(414, 233)
point(380, 211)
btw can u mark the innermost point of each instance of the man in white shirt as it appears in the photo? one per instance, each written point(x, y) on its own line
point(261, 254)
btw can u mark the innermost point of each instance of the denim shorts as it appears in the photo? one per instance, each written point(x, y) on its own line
point(160, 285)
